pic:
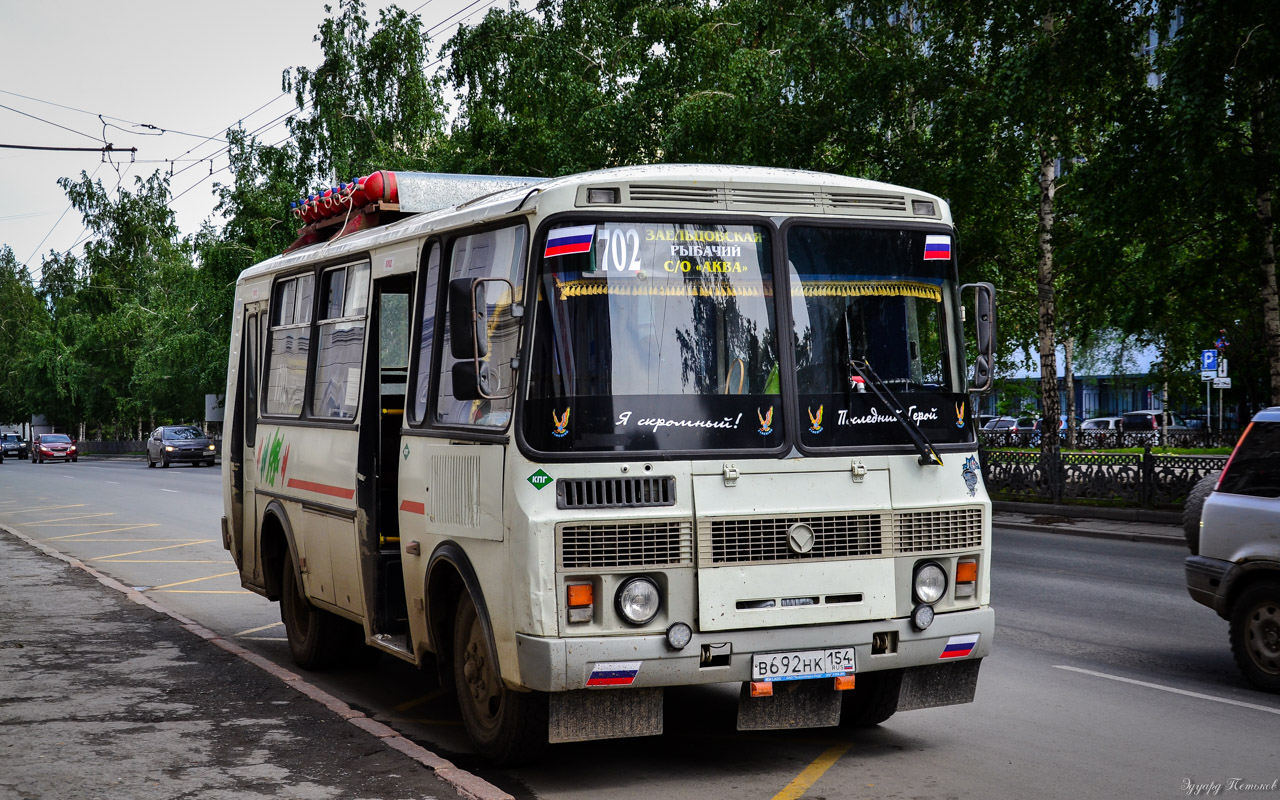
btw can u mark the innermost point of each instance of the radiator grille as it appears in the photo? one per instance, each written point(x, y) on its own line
point(738, 541)
point(931, 531)
point(455, 490)
point(765, 540)
point(661, 543)
point(641, 492)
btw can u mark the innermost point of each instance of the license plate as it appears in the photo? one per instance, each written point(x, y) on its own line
point(802, 665)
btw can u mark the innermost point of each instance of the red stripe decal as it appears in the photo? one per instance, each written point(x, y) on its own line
point(611, 681)
point(413, 507)
point(322, 488)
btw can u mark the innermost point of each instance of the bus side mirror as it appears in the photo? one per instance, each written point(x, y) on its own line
point(468, 319)
point(984, 363)
point(470, 383)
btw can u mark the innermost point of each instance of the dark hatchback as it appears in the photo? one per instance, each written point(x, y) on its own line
point(180, 444)
point(12, 445)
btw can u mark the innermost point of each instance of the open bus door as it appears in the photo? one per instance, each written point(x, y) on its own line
point(386, 382)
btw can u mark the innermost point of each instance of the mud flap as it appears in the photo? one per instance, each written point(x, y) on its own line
point(587, 714)
point(939, 685)
point(793, 704)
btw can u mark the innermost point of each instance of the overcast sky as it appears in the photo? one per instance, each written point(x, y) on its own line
point(190, 69)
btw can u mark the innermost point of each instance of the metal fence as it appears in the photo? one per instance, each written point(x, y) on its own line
point(1144, 480)
point(1117, 439)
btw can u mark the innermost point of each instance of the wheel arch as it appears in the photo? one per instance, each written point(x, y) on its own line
point(276, 542)
point(449, 574)
point(1245, 575)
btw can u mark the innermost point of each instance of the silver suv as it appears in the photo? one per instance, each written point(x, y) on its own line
point(1237, 570)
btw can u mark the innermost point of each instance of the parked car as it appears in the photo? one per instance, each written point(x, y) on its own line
point(171, 444)
point(1062, 428)
point(53, 447)
point(1143, 426)
point(1101, 424)
point(1237, 570)
point(12, 445)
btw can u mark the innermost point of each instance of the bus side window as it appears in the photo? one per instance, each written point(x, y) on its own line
point(250, 399)
point(344, 304)
point(426, 335)
point(492, 254)
point(286, 378)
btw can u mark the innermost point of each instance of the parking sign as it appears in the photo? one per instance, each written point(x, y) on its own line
point(1209, 360)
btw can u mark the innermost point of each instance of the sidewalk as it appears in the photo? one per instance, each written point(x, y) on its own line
point(1151, 527)
point(105, 694)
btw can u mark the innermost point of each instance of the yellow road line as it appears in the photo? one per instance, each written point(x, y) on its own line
point(811, 773)
point(64, 519)
point(167, 561)
point(46, 508)
point(109, 530)
point(154, 549)
point(203, 591)
point(259, 628)
point(193, 580)
point(426, 698)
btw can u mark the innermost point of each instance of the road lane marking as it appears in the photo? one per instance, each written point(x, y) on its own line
point(194, 580)
point(1171, 689)
point(47, 508)
point(426, 698)
point(65, 519)
point(173, 491)
point(109, 530)
point(204, 591)
point(811, 773)
point(154, 549)
point(259, 628)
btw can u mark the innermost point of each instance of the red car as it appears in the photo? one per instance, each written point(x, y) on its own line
point(53, 447)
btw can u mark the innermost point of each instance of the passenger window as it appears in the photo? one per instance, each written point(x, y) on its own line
point(290, 344)
point(340, 351)
point(492, 254)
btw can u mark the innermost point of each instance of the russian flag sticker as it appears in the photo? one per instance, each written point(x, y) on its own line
point(613, 673)
point(960, 646)
point(567, 241)
point(937, 248)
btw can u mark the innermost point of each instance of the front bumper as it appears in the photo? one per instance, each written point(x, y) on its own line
point(56, 456)
point(553, 665)
point(188, 456)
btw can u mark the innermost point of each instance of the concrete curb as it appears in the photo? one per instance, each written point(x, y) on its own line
point(1093, 533)
point(464, 783)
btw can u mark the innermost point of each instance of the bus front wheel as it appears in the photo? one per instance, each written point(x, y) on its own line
point(315, 636)
point(506, 726)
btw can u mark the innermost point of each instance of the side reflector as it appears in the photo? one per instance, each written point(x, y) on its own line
point(844, 683)
point(761, 689)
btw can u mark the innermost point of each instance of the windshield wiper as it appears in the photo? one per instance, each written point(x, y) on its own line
point(928, 455)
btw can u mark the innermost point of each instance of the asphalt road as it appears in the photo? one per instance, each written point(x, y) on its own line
point(1106, 679)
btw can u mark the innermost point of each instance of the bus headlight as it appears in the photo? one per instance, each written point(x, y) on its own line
point(638, 600)
point(929, 583)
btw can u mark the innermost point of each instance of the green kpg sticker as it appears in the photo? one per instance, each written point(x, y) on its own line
point(540, 480)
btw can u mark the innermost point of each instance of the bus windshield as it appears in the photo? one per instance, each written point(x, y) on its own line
point(875, 297)
point(654, 336)
point(662, 336)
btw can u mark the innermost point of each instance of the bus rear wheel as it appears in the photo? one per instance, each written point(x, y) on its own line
point(315, 636)
point(506, 726)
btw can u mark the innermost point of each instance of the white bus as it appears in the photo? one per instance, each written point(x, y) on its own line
point(568, 442)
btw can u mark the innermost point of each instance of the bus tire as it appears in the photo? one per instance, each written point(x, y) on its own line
point(1255, 634)
point(507, 727)
point(873, 699)
point(315, 636)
